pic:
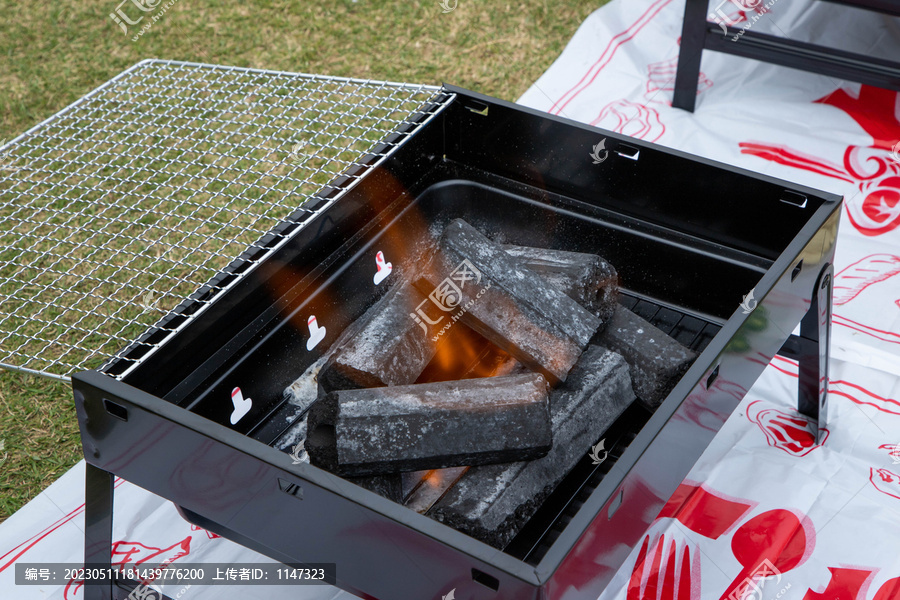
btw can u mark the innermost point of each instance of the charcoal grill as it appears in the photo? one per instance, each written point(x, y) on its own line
point(726, 261)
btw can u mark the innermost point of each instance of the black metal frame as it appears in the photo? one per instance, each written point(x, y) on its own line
point(699, 34)
point(810, 348)
point(762, 239)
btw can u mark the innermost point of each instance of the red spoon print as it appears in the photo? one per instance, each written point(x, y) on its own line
point(777, 536)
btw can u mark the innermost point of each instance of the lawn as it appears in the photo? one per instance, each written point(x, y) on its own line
point(55, 52)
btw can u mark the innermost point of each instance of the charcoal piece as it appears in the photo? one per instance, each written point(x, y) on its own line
point(586, 278)
point(657, 361)
point(493, 502)
point(430, 425)
point(293, 441)
point(427, 487)
point(472, 279)
point(387, 486)
point(386, 346)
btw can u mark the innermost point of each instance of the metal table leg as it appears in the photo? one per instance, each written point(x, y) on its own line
point(811, 350)
point(815, 330)
point(98, 516)
point(693, 35)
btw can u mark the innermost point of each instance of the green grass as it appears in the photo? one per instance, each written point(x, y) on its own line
point(55, 52)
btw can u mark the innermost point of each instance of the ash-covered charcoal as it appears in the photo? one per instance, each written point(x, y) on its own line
point(293, 442)
point(386, 346)
point(586, 278)
point(473, 280)
point(657, 361)
point(430, 425)
point(493, 502)
point(389, 486)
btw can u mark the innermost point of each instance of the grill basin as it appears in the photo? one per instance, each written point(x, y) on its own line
point(690, 240)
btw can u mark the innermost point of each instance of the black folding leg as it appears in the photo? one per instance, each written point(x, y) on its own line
point(815, 330)
point(98, 515)
point(811, 350)
point(693, 35)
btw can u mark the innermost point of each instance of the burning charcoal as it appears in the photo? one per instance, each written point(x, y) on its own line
point(586, 278)
point(386, 346)
point(493, 502)
point(465, 354)
point(427, 487)
point(657, 361)
point(430, 425)
point(472, 279)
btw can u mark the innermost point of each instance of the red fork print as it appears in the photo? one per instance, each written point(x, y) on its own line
point(663, 571)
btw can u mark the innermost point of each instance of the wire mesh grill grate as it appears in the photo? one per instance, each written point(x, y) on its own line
point(118, 207)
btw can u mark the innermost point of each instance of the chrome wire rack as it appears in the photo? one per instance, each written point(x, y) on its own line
point(115, 209)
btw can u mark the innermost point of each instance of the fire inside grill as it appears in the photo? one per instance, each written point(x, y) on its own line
point(480, 379)
point(474, 359)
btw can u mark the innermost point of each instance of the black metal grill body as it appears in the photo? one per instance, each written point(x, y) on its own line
point(690, 239)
